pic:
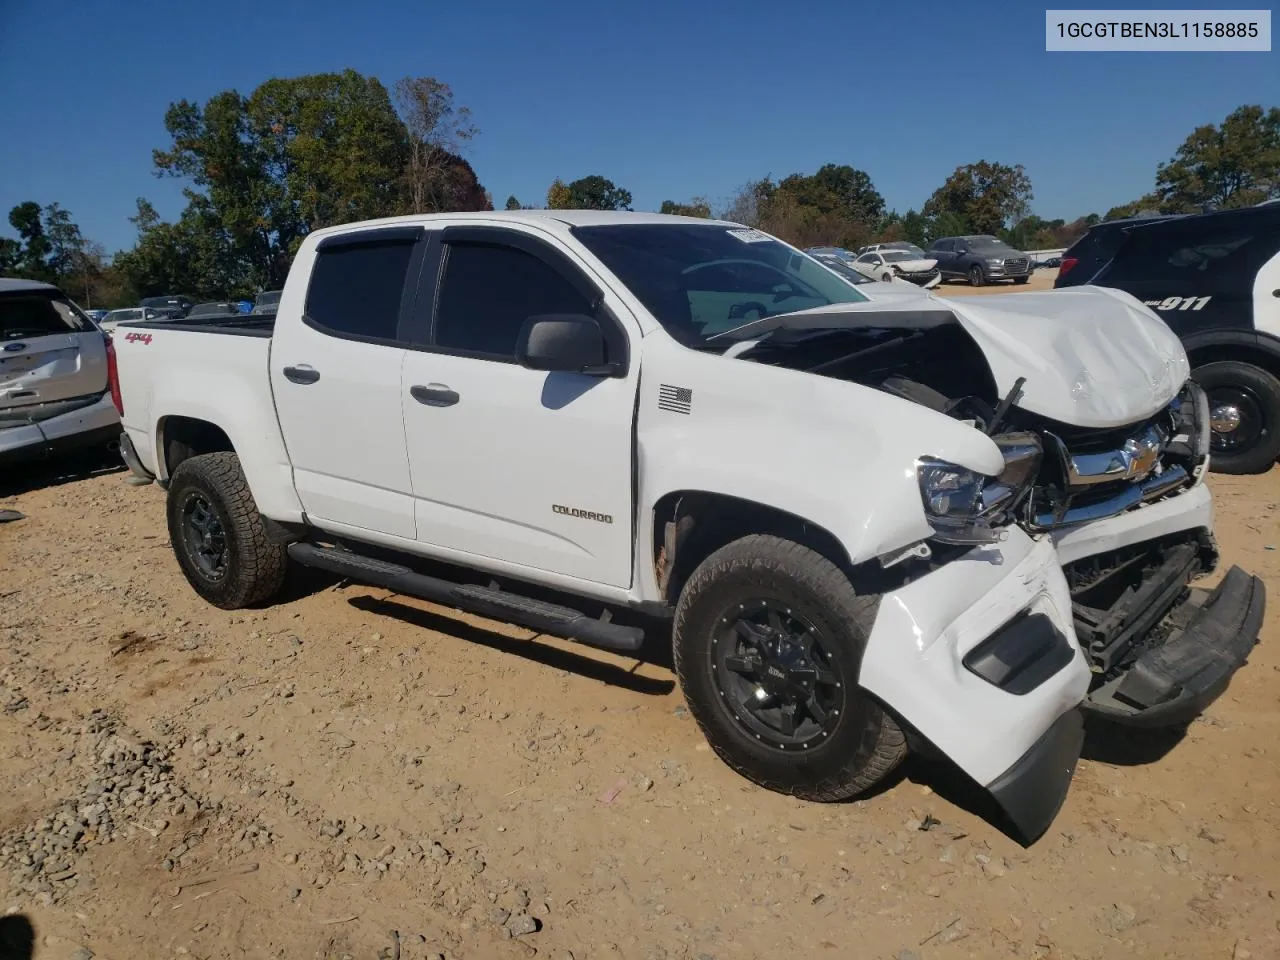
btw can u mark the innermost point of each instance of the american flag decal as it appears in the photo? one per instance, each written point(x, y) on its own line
point(675, 399)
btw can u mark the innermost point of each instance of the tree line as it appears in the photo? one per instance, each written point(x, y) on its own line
point(264, 170)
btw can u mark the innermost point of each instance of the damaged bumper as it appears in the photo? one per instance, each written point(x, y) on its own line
point(981, 658)
point(80, 427)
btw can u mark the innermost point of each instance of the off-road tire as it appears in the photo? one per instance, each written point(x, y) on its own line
point(255, 564)
point(867, 742)
point(1260, 455)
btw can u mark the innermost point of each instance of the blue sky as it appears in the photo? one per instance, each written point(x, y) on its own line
point(666, 98)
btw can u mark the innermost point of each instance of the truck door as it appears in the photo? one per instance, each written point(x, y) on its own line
point(511, 464)
point(336, 355)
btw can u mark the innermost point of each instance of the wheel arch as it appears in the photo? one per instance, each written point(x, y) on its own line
point(179, 438)
point(1241, 346)
point(690, 525)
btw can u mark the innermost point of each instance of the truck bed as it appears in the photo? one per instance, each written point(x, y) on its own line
point(235, 324)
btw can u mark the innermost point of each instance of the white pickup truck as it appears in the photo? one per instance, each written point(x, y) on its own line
point(873, 520)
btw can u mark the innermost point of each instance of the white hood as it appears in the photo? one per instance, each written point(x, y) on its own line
point(914, 266)
point(1092, 356)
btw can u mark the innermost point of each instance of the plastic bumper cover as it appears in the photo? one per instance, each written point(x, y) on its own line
point(97, 424)
point(1007, 605)
point(130, 457)
point(1213, 633)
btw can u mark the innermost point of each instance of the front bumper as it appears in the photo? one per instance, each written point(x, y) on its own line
point(91, 426)
point(1006, 605)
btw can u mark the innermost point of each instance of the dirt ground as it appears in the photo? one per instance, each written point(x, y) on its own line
point(349, 773)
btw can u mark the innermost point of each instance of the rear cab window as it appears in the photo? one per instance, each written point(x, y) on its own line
point(357, 284)
point(39, 313)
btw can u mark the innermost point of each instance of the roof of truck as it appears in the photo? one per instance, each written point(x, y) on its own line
point(572, 218)
point(14, 285)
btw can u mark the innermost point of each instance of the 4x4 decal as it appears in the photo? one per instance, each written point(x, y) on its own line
point(137, 337)
point(1178, 303)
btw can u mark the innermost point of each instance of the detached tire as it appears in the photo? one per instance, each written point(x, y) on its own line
point(1244, 407)
point(769, 637)
point(218, 535)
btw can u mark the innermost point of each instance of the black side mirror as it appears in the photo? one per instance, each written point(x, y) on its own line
point(564, 343)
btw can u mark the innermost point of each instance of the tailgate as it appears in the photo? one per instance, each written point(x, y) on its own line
point(48, 351)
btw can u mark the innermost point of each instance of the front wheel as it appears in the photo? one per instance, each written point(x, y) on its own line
point(1021, 279)
point(218, 535)
point(1244, 416)
point(769, 638)
point(977, 276)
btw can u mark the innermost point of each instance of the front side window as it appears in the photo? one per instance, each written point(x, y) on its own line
point(699, 280)
point(355, 290)
point(488, 291)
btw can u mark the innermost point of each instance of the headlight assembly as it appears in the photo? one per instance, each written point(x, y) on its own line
point(967, 507)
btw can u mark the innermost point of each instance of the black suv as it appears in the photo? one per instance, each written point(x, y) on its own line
point(1084, 258)
point(980, 259)
point(1214, 278)
point(174, 305)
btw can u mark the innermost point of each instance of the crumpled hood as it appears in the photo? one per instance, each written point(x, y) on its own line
point(1092, 356)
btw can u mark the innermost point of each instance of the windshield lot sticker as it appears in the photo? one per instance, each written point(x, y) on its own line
point(750, 236)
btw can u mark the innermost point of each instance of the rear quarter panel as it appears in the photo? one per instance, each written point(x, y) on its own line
point(219, 378)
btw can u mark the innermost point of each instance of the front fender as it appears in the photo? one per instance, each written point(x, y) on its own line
point(832, 453)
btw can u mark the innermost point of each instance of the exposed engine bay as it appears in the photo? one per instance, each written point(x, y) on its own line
point(1068, 474)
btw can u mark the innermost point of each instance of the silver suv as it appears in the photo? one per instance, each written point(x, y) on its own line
point(54, 393)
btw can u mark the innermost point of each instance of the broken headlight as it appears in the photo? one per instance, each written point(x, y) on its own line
point(964, 506)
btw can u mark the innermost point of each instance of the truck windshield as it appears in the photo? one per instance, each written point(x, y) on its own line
point(699, 280)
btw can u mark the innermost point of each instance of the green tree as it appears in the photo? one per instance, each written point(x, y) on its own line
point(32, 260)
point(559, 197)
point(66, 243)
point(985, 195)
point(1234, 165)
point(915, 227)
point(837, 189)
point(595, 192)
point(512, 203)
point(697, 207)
point(10, 255)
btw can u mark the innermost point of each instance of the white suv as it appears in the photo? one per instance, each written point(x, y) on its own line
point(54, 361)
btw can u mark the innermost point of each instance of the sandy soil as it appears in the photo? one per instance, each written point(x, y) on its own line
point(353, 774)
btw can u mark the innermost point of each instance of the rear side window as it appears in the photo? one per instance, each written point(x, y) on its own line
point(489, 291)
point(355, 290)
point(38, 315)
point(1187, 256)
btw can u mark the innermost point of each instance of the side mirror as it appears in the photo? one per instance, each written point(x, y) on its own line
point(563, 343)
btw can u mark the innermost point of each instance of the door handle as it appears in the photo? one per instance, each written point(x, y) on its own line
point(434, 395)
point(301, 374)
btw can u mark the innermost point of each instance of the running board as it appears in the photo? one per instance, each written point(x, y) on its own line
point(486, 601)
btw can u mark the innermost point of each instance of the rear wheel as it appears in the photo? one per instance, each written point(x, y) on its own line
point(769, 638)
point(977, 276)
point(1244, 415)
point(218, 535)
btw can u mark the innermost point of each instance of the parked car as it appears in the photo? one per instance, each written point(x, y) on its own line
point(96, 316)
point(1214, 278)
point(980, 260)
point(889, 265)
point(266, 302)
point(906, 245)
point(1084, 258)
point(175, 305)
point(840, 266)
point(868, 516)
point(130, 315)
point(53, 375)
point(212, 309)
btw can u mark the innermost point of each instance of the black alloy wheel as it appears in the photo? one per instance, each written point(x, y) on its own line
point(777, 676)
